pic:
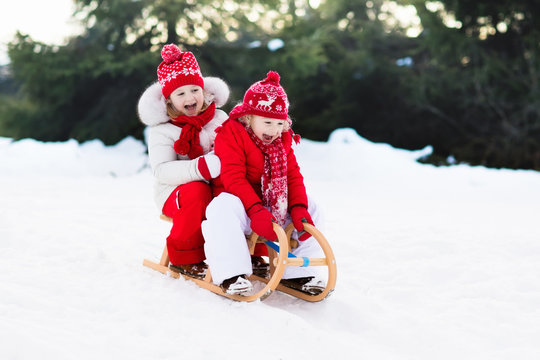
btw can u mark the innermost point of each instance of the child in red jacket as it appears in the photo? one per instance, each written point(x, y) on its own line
point(262, 183)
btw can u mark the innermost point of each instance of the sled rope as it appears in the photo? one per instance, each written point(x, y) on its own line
point(275, 246)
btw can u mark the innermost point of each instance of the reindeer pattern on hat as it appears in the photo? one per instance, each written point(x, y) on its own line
point(270, 99)
point(266, 104)
point(264, 98)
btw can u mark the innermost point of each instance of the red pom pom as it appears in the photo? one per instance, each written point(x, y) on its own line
point(181, 147)
point(272, 76)
point(295, 137)
point(171, 53)
point(195, 151)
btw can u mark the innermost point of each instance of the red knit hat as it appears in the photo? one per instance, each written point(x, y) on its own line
point(177, 69)
point(264, 98)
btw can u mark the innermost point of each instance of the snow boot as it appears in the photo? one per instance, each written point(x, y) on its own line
point(237, 285)
point(309, 285)
point(260, 267)
point(197, 271)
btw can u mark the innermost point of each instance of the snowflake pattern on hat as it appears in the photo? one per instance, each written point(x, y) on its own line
point(177, 69)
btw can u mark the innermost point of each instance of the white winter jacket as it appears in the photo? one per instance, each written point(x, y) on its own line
point(171, 169)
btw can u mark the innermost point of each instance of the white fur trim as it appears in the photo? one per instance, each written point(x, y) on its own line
point(152, 109)
point(216, 90)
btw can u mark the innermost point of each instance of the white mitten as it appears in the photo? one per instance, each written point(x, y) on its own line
point(209, 166)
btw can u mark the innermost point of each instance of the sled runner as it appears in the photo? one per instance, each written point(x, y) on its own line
point(279, 258)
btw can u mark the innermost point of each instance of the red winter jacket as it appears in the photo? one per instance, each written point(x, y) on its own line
point(242, 164)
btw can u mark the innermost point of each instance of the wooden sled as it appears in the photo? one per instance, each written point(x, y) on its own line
point(279, 258)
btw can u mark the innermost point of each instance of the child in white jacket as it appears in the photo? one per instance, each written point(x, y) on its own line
point(180, 111)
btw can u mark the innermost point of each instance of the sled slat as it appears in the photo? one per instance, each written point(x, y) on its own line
point(251, 241)
point(162, 269)
point(164, 257)
point(312, 262)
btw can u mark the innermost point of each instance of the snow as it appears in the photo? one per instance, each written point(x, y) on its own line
point(433, 263)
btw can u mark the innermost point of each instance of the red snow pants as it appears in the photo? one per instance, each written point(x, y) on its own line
point(186, 206)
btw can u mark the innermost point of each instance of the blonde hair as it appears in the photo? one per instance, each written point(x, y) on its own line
point(246, 121)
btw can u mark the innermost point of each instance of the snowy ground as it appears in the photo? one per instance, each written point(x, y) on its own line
point(433, 263)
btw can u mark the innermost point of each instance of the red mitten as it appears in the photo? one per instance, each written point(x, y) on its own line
point(299, 214)
point(261, 222)
point(209, 166)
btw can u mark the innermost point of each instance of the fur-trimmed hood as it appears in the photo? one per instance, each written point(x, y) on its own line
point(153, 110)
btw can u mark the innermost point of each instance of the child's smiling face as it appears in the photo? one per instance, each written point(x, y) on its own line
point(266, 129)
point(188, 99)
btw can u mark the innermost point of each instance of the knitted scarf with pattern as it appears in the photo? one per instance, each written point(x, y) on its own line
point(189, 142)
point(274, 178)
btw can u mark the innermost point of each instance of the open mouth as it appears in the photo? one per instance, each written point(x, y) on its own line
point(191, 108)
point(267, 138)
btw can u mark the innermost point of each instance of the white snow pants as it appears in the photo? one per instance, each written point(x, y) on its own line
point(225, 247)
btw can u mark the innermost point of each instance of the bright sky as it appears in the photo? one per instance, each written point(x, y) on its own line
point(48, 21)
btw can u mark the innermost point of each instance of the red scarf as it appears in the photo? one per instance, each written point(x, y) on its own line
point(189, 142)
point(274, 178)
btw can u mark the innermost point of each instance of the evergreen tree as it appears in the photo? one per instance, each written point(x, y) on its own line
point(89, 88)
point(477, 81)
point(468, 85)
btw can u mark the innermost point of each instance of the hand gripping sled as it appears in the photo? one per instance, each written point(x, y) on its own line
point(279, 257)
